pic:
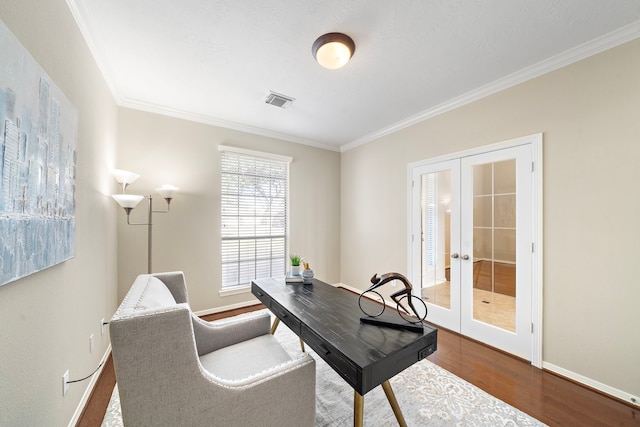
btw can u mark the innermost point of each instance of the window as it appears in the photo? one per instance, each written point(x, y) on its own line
point(254, 215)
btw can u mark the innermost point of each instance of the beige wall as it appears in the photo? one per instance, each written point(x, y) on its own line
point(46, 319)
point(169, 150)
point(589, 114)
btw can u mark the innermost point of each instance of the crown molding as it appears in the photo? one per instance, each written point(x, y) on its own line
point(208, 120)
point(608, 41)
point(83, 18)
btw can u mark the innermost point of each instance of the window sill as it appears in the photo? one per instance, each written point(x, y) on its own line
point(234, 290)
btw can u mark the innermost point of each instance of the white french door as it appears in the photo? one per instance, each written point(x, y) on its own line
point(472, 226)
point(436, 219)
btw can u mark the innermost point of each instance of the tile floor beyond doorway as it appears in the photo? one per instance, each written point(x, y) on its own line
point(489, 307)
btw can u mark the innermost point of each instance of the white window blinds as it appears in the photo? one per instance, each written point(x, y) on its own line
point(254, 216)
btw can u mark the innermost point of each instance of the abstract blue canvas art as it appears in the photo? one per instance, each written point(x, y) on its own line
point(38, 139)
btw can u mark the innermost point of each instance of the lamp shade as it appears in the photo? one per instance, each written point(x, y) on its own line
point(124, 177)
point(333, 50)
point(167, 191)
point(128, 200)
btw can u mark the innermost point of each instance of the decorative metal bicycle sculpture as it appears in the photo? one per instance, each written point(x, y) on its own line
point(410, 307)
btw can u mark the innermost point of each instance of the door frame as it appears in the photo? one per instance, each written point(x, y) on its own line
point(535, 141)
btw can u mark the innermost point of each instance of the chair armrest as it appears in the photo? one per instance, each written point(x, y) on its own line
point(211, 336)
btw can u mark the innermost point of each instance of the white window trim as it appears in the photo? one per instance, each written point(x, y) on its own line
point(234, 290)
point(253, 153)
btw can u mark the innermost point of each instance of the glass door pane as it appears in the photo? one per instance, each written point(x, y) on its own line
point(494, 243)
point(435, 238)
point(434, 263)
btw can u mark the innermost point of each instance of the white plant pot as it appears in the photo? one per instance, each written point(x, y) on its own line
point(295, 270)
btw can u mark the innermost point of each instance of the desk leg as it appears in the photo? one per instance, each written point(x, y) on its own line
point(274, 326)
point(358, 409)
point(394, 403)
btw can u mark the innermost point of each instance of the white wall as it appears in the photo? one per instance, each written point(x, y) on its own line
point(589, 113)
point(46, 318)
point(169, 150)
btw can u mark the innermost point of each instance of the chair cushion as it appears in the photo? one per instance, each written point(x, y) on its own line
point(155, 294)
point(242, 360)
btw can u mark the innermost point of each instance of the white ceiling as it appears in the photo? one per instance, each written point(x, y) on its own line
point(215, 61)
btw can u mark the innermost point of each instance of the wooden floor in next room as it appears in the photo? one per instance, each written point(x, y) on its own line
point(551, 399)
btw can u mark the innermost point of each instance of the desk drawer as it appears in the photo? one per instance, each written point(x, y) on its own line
point(263, 297)
point(285, 317)
point(336, 360)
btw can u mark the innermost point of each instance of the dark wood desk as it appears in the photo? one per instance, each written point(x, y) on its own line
point(327, 318)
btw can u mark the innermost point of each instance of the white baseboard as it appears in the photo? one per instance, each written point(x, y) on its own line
point(88, 390)
point(226, 308)
point(387, 301)
point(596, 385)
point(250, 303)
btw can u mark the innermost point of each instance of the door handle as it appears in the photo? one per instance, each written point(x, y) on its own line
point(455, 255)
point(465, 257)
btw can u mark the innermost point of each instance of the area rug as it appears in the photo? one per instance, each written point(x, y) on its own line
point(427, 394)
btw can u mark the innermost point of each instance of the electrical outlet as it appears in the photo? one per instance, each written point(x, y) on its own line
point(65, 382)
point(102, 325)
point(91, 343)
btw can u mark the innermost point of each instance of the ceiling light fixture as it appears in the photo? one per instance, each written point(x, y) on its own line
point(333, 50)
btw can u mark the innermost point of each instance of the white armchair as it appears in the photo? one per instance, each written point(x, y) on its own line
point(172, 368)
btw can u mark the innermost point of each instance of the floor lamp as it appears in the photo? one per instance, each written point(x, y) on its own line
point(129, 201)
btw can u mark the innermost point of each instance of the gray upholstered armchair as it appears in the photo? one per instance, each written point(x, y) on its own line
point(174, 369)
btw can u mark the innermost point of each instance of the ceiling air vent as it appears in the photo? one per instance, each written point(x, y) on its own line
point(279, 100)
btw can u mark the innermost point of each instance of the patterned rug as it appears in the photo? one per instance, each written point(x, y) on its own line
point(426, 393)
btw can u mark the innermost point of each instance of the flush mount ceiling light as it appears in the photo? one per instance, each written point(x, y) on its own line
point(333, 50)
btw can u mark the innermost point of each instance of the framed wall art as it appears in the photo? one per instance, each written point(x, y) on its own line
point(38, 139)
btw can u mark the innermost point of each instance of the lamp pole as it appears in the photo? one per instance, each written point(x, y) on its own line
point(129, 202)
point(149, 225)
point(149, 234)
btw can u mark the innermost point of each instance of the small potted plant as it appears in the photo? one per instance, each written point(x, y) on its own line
point(295, 264)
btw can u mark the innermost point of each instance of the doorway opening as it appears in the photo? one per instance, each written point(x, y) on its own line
point(475, 221)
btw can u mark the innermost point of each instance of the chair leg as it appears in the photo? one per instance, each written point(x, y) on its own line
point(394, 403)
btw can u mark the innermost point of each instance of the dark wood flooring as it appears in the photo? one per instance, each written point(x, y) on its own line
point(549, 398)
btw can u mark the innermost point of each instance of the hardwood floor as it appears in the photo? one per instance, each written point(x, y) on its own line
point(549, 398)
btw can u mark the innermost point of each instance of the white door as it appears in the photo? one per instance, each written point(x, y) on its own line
point(473, 216)
point(495, 249)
